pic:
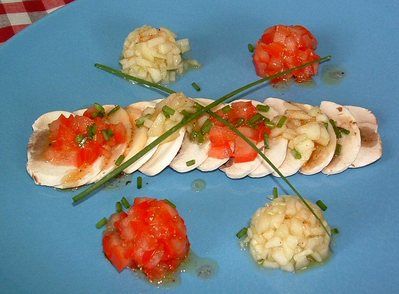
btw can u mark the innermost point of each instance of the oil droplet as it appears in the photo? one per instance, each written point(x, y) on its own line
point(203, 268)
point(333, 75)
point(198, 185)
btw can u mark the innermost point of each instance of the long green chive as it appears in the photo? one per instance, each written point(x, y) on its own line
point(195, 86)
point(107, 134)
point(321, 205)
point(206, 127)
point(118, 206)
point(102, 222)
point(266, 140)
point(100, 111)
point(338, 149)
point(281, 121)
point(226, 109)
point(115, 172)
point(275, 193)
point(296, 153)
point(240, 122)
point(251, 48)
point(170, 203)
point(125, 203)
point(91, 131)
point(113, 110)
point(262, 108)
point(190, 162)
point(120, 160)
point(242, 233)
point(167, 111)
point(139, 183)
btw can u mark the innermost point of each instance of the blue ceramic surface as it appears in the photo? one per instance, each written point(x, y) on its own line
point(47, 245)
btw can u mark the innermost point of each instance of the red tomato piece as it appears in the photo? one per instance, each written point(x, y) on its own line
point(151, 236)
point(243, 152)
point(283, 47)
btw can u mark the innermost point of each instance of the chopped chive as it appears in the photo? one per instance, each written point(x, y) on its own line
point(170, 203)
point(263, 108)
point(255, 119)
point(107, 134)
point(242, 233)
point(195, 86)
point(206, 127)
point(113, 110)
point(275, 193)
point(226, 109)
point(120, 160)
point(334, 231)
point(296, 153)
point(139, 182)
point(102, 222)
point(125, 203)
point(326, 125)
point(321, 205)
point(140, 121)
point(281, 121)
point(100, 111)
point(167, 111)
point(266, 140)
point(118, 206)
point(80, 139)
point(251, 48)
point(91, 131)
point(193, 136)
point(269, 123)
point(240, 122)
point(200, 138)
point(343, 131)
point(185, 113)
point(336, 130)
point(338, 149)
point(190, 162)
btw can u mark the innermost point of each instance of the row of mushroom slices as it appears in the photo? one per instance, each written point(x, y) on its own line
point(73, 149)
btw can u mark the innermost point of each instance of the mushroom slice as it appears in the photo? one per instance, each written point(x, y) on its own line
point(371, 144)
point(348, 145)
point(46, 173)
point(192, 154)
point(140, 137)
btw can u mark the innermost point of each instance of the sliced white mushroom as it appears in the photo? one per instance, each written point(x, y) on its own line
point(371, 144)
point(118, 116)
point(43, 170)
point(192, 154)
point(349, 144)
point(140, 137)
point(163, 156)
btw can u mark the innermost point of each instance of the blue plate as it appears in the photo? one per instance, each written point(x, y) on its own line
point(49, 245)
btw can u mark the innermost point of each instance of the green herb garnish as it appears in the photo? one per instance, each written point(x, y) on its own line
point(266, 141)
point(338, 149)
point(240, 122)
point(321, 205)
point(195, 86)
point(242, 233)
point(107, 134)
point(118, 206)
point(120, 160)
point(275, 193)
point(262, 108)
point(113, 110)
point(281, 121)
point(251, 48)
point(226, 109)
point(296, 154)
point(100, 111)
point(91, 131)
point(255, 119)
point(139, 182)
point(206, 127)
point(190, 162)
point(168, 111)
point(102, 222)
point(334, 231)
point(170, 203)
point(125, 203)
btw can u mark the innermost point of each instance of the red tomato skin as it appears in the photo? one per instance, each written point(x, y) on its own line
point(151, 237)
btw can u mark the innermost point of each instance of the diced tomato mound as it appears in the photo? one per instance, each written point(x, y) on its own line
point(227, 144)
point(283, 47)
point(151, 237)
point(79, 140)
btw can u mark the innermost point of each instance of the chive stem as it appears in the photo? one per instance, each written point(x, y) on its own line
point(321, 205)
point(115, 172)
point(242, 233)
point(275, 193)
point(102, 222)
point(251, 48)
point(125, 203)
point(118, 206)
point(139, 182)
point(120, 160)
point(195, 86)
